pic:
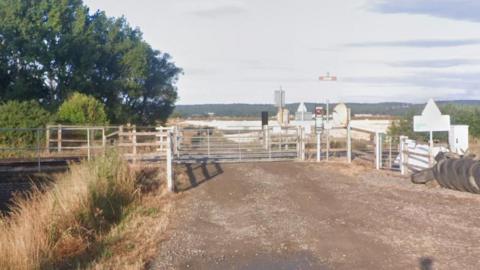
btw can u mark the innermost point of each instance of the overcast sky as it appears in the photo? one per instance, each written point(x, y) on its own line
point(236, 51)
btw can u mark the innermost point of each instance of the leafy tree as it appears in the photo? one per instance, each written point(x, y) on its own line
point(82, 109)
point(26, 114)
point(48, 47)
point(404, 127)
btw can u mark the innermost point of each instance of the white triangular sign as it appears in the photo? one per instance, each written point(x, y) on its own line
point(431, 109)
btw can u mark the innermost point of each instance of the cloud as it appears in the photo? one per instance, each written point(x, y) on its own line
point(418, 43)
point(265, 65)
point(220, 9)
point(467, 10)
point(441, 63)
point(467, 82)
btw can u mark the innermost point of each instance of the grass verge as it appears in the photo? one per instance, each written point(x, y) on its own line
point(74, 223)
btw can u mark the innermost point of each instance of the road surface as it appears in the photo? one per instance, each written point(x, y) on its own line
point(290, 215)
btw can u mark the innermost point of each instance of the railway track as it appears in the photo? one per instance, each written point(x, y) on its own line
point(21, 165)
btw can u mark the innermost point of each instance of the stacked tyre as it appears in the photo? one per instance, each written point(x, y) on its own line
point(461, 174)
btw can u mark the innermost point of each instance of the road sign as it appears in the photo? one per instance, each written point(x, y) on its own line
point(318, 111)
point(279, 98)
point(327, 78)
point(431, 119)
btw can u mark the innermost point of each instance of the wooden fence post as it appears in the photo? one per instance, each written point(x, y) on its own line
point(134, 143)
point(104, 141)
point(88, 144)
point(47, 135)
point(59, 138)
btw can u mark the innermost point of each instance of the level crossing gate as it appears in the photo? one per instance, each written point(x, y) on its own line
point(237, 144)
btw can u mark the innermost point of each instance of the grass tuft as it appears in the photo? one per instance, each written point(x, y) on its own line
point(62, 227)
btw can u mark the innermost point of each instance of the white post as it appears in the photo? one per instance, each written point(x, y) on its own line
point(208, 142)
point(319, 146)
point(403, 140)
point(299, 138)
point(328, 144)
point(303, 143)
point(170, 183)
point(377, 151)
point(349, 138)
point(269, 142)
point(430, 150)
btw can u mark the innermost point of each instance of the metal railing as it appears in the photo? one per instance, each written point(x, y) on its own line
point(240, 144)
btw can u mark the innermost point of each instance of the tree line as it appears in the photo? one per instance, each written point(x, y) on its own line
point(459, 115)
point(50, 49)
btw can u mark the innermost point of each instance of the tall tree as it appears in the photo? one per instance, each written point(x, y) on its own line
point(49, 47)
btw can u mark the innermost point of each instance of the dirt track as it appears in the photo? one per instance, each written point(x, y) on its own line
point(317, 216)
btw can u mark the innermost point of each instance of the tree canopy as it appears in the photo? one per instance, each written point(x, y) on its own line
point(48, 48)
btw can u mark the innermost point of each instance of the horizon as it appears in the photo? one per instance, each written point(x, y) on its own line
point(346, 102)
point(420, 50)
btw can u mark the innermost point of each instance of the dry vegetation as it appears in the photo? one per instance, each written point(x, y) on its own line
point(96, 216)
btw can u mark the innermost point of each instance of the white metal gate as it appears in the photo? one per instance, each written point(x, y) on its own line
point(200, 144)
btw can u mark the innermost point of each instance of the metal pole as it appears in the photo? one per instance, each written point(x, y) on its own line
point(319, 140)
point(390, 153)
point(239, 147)
point(269, 147)
point(38, 151)
point(328, 144)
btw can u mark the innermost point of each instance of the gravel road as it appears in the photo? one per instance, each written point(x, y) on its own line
point(289, 215)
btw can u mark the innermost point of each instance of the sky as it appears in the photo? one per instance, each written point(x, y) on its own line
point(240, 51)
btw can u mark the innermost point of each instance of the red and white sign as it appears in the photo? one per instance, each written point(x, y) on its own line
point(328, 78)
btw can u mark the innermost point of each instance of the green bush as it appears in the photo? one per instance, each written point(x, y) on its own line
point(81, 109)
point(26, 114)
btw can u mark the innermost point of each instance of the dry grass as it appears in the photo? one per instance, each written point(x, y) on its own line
point(135, 242)
point(64, 227)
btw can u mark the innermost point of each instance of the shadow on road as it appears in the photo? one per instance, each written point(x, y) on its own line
point(197, 174)
point(426, 263)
